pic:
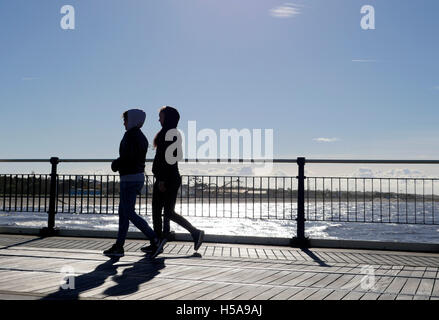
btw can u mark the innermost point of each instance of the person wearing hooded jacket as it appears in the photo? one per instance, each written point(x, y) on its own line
point(168, 180)
point(131, 167)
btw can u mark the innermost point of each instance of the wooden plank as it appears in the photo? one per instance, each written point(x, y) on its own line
point(269, 293)
point(354, 284)
point(209, 250)
point(255, 275)
point(381, 283)
point(300, 278)
point(175, 249)
point(211, 293)
point(150, 288)
point(10, 277)
point(370, 296)
point(287, 277)
point(396, 285)
point(275, 276)
point(175, 286)
point(205, 272)
point(213, 287)
point(222, 275)
point(421, 297)
point(425, 287)
point(34, 280)
point(243, 252)
point(218, 252)
point(305, 293)
point(411, 286)
point(311, 281)
point(387, 296)
point(326, 281)
point(435, 291)
point(287, 293)
point(227, 252)
point(353, 295)
point(235, 292)
point(340, 282)
point(210, 272)
point(320, 294)
point(187, 290)
point(252, 292)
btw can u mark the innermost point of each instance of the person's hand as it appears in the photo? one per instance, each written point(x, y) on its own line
point(115, 165)
point(162, 186)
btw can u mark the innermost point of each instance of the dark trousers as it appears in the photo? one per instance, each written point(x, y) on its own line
point(166, 201)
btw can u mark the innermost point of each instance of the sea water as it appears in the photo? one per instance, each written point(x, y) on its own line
point(388, 221)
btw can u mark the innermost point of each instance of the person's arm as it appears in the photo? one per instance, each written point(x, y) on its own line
point(164, 168)
point(126, 154)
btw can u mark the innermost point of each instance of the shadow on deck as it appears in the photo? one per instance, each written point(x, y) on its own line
point(74, 268)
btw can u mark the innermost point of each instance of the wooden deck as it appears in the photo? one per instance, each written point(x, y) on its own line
point(34, 268)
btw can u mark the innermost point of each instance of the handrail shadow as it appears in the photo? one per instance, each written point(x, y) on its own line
point(314, 257)
point(22, 243)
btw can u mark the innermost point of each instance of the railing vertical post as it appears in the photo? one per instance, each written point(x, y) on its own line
point(300, 240)
point(50, 230)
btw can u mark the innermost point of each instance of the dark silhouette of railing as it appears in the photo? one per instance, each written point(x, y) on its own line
point(343, 199)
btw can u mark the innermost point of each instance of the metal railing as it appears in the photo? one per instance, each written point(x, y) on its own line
point(300, 198)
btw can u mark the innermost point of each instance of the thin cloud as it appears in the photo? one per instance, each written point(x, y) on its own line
point(326, 139)
point(364, 60)
point(287, 10)
point(436, 88)
point(393, 173)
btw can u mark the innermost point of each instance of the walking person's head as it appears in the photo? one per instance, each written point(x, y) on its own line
point(133, 118)
point(168, 117)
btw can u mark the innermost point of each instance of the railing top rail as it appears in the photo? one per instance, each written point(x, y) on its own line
point(221, 161)
point(372, 161)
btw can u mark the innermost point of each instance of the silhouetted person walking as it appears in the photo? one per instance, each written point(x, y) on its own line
point(131, 167)
point(168, 180)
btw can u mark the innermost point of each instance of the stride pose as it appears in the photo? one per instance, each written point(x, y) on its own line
point(131, 167)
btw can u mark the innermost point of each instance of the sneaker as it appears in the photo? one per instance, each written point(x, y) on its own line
point(114, 251)
point(157, 248)
point(198, 239)
point(147, 249)
point(151, 247)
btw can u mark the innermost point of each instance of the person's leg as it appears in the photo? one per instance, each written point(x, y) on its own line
point(123, 216)
point(138, 221)
point(170, 198)
point(169, 213)
point(157, 206)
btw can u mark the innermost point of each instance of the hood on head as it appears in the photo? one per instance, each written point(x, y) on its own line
point(136, 118)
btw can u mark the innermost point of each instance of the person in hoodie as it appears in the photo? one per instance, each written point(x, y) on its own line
point(131, 167)
point(168, 180)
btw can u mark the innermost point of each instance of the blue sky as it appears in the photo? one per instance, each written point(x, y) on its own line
point(225, 64)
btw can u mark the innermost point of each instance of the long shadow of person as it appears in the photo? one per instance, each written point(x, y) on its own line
point(77, 284)
point(130, 280)
point(141, 271)
point(127, 283)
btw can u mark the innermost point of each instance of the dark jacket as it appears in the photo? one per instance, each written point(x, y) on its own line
point(133, 147)
point(162, 170)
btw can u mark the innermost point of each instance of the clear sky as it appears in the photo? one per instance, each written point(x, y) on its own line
point(305, 69)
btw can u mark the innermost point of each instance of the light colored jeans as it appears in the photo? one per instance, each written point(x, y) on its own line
point(127, 213)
